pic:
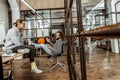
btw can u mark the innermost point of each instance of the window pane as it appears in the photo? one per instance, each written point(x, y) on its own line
point(57, 13)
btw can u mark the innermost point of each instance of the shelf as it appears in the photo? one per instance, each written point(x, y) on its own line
point(109, 31)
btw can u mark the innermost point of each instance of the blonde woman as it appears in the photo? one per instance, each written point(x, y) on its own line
point(14, 42)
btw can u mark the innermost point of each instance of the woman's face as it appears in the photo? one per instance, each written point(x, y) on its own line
point(21, 25)
point(57, 35)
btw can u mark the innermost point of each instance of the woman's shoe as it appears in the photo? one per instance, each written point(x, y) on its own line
point(36, 71)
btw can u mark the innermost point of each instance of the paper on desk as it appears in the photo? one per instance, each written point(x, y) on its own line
point(12, 54)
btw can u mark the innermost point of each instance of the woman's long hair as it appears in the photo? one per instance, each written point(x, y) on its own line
point(18, 21)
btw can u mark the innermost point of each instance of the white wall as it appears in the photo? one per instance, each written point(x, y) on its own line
point(4, 15)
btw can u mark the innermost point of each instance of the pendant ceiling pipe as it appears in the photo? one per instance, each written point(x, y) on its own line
point(28, 5)
point(15, 10)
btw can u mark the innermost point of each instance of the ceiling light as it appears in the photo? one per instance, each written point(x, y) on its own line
point(28, 5)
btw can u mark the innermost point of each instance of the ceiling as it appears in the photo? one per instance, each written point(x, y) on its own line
point(47, 4)
point(41, 4)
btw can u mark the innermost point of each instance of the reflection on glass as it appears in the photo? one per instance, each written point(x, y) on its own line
point(34, 28)
point(43, 14)
point(57, 13)
point(46, 14)
point(56, 21)
point(43, 23)
point(106, 62)
point(42, 33)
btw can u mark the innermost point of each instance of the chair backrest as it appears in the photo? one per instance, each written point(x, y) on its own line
point(62, 49)
point(64, 43)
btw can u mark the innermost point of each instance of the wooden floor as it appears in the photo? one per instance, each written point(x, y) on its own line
point(101, 65)
point(44, 64)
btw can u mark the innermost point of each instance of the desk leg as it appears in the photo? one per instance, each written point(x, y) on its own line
point(11, 74)
point(1, 68)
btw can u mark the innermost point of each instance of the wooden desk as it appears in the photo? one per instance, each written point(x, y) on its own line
point(6, 59)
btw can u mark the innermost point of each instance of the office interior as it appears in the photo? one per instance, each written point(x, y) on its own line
point(91, 50)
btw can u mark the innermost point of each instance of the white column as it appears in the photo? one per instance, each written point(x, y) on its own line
point(114, 42)
point(3, 20)
point(15, 10)
point(4, 14)
point(90, 48)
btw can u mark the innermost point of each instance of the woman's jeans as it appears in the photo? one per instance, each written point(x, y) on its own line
point(31, 53)
point(44, 47)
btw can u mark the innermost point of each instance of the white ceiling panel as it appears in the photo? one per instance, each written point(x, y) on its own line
point(41, 4)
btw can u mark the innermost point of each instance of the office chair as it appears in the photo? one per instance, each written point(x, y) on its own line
point(57, 62)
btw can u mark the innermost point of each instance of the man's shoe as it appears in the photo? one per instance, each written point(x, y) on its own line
point(36, 71)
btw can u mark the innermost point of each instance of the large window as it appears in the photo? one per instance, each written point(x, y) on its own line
point(42, 22)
